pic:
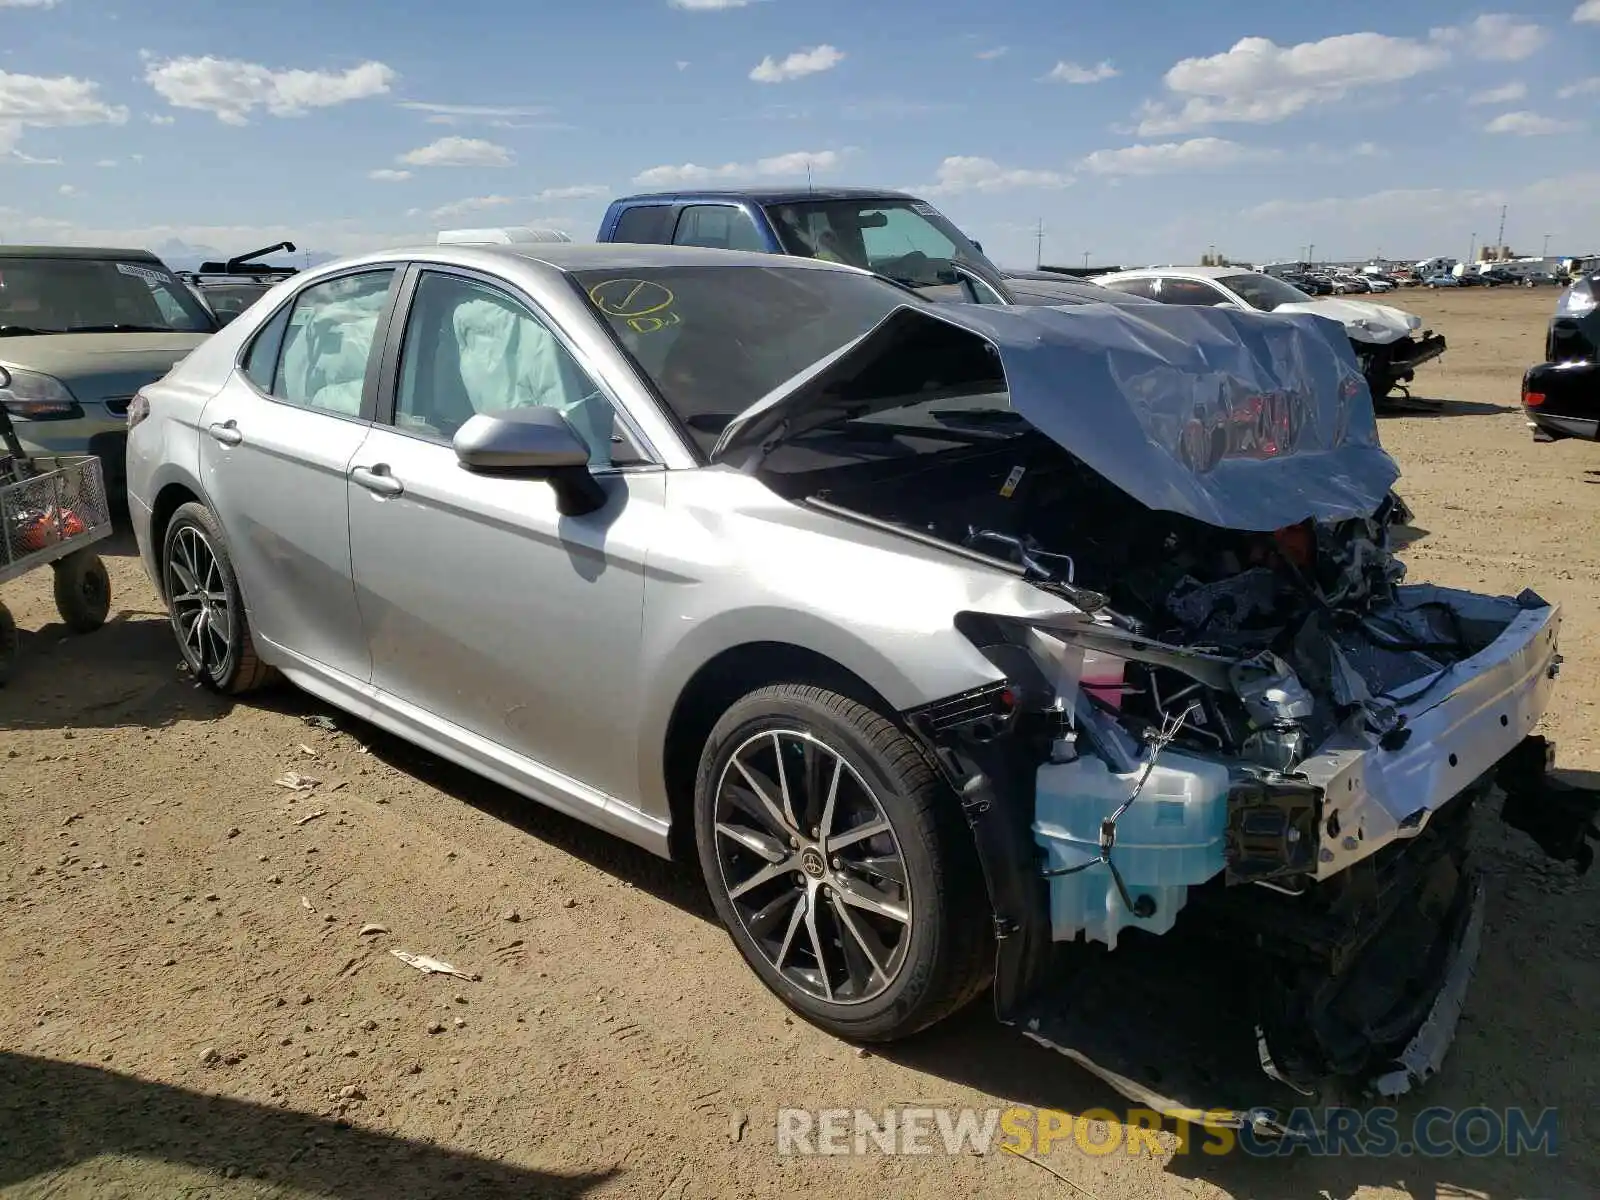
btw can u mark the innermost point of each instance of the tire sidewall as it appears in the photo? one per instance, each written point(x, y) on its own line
point(915, 836)
point(217, 676)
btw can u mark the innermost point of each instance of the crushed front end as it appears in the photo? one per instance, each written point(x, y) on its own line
point(1252, 761)
point(1393, 365)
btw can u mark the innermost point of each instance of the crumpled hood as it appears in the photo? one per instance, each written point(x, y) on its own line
point(1364, 321)
point(97, 365)
point(1250, 421)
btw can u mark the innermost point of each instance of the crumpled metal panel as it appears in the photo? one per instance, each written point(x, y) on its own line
point(1249, 421)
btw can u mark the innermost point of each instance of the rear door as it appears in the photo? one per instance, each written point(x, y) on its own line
point(278, 441)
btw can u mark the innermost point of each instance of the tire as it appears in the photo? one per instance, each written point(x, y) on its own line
point(9, 645)
point(83, 591)
point(213, 638)
point(841, 887)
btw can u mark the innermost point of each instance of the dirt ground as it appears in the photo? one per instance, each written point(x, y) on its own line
point(189, 1004)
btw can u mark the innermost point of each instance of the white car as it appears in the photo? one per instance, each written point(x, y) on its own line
point(1389, 343)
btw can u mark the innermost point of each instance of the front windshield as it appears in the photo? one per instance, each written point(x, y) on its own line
point(907, 240)
point(714, 340)
point(78, 295)
point(1263, 291)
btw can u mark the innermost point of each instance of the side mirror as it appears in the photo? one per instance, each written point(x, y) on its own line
point(534, 443)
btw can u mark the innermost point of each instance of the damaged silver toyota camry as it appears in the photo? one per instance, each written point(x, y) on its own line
point(1058, 650)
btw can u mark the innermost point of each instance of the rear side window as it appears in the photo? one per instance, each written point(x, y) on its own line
point(1131, 287)
point(719, 226)
point(326, 342)
point(1187, 291)
point(650, 224)
point(261, 360)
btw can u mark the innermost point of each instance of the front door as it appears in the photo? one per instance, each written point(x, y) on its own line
point(484, 605)
point(276, 444)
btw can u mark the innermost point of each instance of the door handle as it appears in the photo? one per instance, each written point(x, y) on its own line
point(377, 478)
point(227, 433)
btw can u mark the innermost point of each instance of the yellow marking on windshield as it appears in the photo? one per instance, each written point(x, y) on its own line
point(630, 297)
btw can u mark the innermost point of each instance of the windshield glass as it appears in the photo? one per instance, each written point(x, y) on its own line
point(714, 340)
point(907, 240)
point(72, 295)
point(1263, 291)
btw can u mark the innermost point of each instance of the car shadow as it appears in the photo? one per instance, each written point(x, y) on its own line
point(57, 1115)
point(1423, 406)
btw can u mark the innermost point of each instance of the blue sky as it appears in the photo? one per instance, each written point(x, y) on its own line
point(1136, 132)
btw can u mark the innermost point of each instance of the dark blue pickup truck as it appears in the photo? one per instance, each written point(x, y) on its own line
point(891, 233)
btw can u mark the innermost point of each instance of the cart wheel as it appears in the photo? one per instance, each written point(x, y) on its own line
point(8, 644)
point(83, 591)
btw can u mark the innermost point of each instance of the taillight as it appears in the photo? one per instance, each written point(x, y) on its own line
point(1533, 399)
point(138, 409)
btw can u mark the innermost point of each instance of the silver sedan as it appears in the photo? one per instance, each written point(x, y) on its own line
point(936, 634)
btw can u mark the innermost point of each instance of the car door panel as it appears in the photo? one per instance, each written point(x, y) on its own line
point(276, 447)
point(483, 605)
point(488, 608)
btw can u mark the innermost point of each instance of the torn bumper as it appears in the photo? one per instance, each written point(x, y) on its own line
point(1396, 363)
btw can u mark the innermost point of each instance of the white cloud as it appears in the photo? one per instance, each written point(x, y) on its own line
point(160, 119)
point(1527, 124)
point(707, 5)
point(793, 165)
point(1070, 72)
point(1589, 10)
point(232, 90)
point(1259, 82)
point(1505, 94)
point(1496, 37)
point(682, 64)
point(1583, 87)
point(965, 173)
point(797, 65)
point(1196, 154)
point(28, 3)
point(106, 163)
point(66, 189)
point(50, 101)
point(458, 152)
point(388, 175)
point(456, 208)
point(992, 53)
point(501, 115)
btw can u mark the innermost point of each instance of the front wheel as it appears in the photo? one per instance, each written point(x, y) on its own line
point(840, 864)
point(207, 609)
point(83, 591)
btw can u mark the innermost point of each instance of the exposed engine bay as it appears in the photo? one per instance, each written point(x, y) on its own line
point(1269, 729)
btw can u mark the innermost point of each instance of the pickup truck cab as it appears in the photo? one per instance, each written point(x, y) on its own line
point(890, 233)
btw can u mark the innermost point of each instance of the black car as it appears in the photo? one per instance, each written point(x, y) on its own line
point(228, 288)
point(1561, 396)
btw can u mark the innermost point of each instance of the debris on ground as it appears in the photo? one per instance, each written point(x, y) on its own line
point(306, 750)
point(296, 782)
point(319, 721)
point(366, 929)
point(307, 905)
point(310, 816)
point(432, 966)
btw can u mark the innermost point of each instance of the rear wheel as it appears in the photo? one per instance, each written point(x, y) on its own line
point(207, 610)
point(840, 864)
point(83, 591)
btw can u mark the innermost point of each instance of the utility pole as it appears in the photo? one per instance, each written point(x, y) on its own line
point(1038, 245)
point(1545, 253)
point(1311, 253)
point(1085, 260)
point(1500, 238)
point(1472, 246)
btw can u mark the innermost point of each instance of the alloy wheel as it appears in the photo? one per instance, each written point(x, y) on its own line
point(199, 600)
point(812, 867)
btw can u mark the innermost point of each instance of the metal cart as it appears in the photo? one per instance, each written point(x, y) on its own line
point(52, 510)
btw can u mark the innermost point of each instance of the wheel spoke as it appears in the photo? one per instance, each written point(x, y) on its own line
point(765, 875)
point(783, 782)
point(769, 848)
point(794, 927)
point(864, 896)
point(859, 834)
point(864, 940)
point(764, 920)
point(885, 866)
point(778, 820)
point(816, 949)
point(825, 825)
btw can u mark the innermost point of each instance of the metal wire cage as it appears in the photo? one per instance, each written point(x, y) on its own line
point(46, 513)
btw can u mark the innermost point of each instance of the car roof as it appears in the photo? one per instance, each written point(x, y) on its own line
point(78, 252)
point(581, 256)
point(774, 195)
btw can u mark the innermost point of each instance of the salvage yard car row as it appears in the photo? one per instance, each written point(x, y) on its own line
point(955, 643)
